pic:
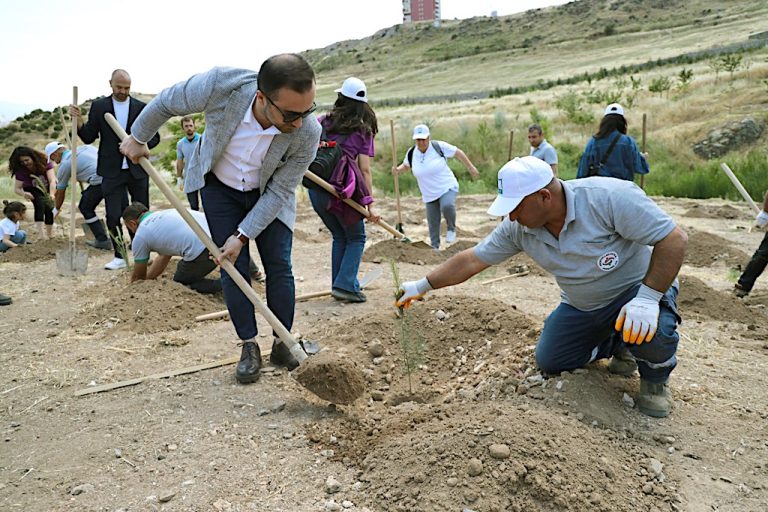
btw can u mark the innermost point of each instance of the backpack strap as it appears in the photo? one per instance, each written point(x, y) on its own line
point(610, 149)
point(435, 145)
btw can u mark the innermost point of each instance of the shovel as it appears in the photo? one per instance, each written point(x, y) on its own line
point(367, 279)
point(362, 211)
point(399, 225)
point(336, 381)
point(70, 261)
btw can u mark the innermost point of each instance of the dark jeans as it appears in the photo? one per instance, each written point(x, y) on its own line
point(192, 274)
point(42, 214)
point(89, 201)
point(348, 243)
point(572, 338)
point(194, 200)
point(225, 208)
point(755, 266)
point(116, 191)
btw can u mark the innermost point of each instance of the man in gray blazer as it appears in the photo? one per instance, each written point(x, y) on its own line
point(258, 141)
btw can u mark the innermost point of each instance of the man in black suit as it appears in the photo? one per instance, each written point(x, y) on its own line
point(120, 176)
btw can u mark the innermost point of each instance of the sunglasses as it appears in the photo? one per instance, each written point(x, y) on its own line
point(290, 117)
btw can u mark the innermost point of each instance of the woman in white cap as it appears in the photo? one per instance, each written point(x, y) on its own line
point(428, 160)
point(352, 124)
point(611, 152)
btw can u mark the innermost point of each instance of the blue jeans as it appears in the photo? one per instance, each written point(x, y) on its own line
point(348, 243)
point(572, 338)
point(445, 204)
point(225, 208)
point(19, 237)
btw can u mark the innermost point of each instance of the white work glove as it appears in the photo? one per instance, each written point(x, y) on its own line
point(180, 183)
point(412, 290)
point(55, 212)
point(639, 317)
point(762, 219)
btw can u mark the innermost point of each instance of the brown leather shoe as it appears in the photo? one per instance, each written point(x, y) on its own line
point(249, 368)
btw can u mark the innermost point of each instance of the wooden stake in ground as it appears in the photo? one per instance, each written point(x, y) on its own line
point(399, 225)
point(642, 176)
point(511, 139)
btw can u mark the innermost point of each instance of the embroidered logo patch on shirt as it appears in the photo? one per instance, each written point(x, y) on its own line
point(608, 261)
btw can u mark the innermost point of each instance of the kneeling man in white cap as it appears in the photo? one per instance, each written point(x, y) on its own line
point(615, 255)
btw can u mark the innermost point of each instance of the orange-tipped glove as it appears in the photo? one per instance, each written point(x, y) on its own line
point(639, 317)
point(412, 290)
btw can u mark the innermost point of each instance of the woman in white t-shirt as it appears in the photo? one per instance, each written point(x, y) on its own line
point(10, 234)
point(428, 161)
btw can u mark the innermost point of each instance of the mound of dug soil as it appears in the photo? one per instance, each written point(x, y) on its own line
point(443, 446)
point(696, 298)
point(39, 250)
point(404, 252)
point(146, 307)
point(714, 212)
point(704, 249)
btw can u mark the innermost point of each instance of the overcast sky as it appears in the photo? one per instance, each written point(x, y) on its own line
point(50, 45)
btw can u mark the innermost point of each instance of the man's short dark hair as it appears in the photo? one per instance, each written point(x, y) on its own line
point(286, 70)
point(535, 127)
point(134, 211)
point(186, 119)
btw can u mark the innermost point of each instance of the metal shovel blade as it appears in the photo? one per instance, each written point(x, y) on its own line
point(70, 262)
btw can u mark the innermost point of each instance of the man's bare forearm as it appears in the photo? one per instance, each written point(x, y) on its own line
point(456, 270)
point(666, 260)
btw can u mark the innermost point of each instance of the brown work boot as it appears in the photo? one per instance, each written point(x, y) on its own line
point(249, 368)
point(623, 362)
point(655, 399)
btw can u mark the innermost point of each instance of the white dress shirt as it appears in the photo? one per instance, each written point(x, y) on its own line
point(121, 114)
point(240, 164)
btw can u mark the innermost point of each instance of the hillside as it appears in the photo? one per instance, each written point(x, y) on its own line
point(558, 66)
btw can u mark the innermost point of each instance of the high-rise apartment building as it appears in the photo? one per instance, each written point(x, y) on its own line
point(415, 11)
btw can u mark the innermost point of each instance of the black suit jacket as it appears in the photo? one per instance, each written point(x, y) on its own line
point(110, 159)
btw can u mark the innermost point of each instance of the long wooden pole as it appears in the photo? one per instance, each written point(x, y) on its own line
point(642, 176)
point(395, 176)
point(73, 181)
point(736, 183)
point(511, 139)
point(227, 265)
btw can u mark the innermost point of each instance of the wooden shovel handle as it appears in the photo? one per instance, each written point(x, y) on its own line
point(356, 206)
point(227, 265)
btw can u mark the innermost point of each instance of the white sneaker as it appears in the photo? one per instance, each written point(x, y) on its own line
point(116, 264)
point(450, 237)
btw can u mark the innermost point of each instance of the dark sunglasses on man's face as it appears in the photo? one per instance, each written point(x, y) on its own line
point(290, 117)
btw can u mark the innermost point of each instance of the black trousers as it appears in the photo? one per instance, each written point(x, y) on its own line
point(42, 214)
point(192, 274)
point(755, 266)
point(116, 191)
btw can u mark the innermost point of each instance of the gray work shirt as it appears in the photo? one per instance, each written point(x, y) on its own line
point(545, 152)
point(87, 158)
point(166, 233)
point(603, 246)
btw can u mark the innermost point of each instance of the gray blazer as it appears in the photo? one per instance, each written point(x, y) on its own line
point(224, 94)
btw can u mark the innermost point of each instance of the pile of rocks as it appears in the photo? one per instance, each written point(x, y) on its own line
point(729, 137)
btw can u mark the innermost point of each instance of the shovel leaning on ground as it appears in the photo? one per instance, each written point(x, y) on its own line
point(336, 386)
point(367, 279)
point(70, 260)
point(362, 211)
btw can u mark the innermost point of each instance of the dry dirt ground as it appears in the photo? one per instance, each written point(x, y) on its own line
point(477, 429)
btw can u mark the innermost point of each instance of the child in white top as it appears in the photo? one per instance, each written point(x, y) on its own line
point(10, 234)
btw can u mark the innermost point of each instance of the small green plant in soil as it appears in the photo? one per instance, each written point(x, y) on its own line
point(411, 341)
point(122, 248)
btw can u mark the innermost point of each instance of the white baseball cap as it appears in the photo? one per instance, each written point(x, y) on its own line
point(354, 88)
point(51, 147)
point(614, 108)
point(420, 131)
point(517, 179)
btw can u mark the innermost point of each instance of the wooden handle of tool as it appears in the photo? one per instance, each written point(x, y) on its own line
point(511, 139)
point(356, 206)
point(73, 176)
point(642, 176)
point(227, 265)
point(497, 279)
point(727, 170)
point(394, 174)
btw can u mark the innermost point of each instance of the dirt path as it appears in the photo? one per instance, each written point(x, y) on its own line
point(480, 430)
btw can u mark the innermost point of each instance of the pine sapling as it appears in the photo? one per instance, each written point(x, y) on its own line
point(122, 248)
point(411, 342)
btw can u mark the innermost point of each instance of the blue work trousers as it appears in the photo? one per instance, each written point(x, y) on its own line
point(573, 338)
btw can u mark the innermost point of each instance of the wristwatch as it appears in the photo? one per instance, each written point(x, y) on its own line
point(240, 236)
